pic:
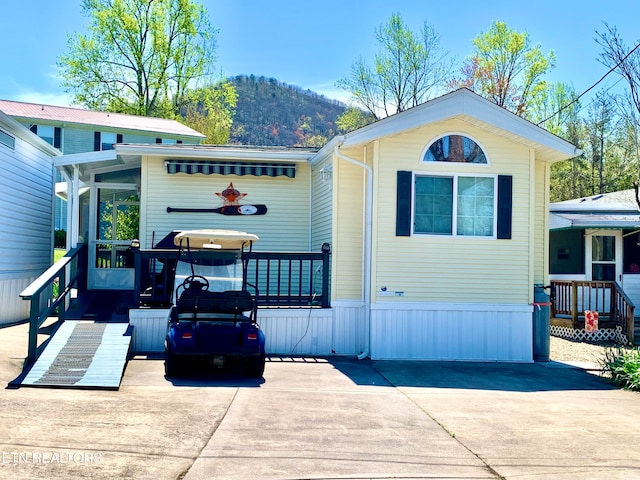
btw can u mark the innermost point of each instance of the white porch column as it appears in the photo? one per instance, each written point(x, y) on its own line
point(73, 208)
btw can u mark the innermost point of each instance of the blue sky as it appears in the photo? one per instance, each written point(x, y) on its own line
point(312, 44)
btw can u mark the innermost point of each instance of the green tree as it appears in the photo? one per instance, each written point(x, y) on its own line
point(406, 69)
point(506, 68)
point(139, 56)
point(352, 119)
point(210, 111)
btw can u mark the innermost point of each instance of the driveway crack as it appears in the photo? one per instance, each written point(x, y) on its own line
point(184, 473)
point(488, 467)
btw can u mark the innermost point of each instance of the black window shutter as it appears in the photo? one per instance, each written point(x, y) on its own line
point(119, 138)
point(96, 142)
point(34, 129)
point(403, 204)
point(158, 140)
point(505, 197)
point(57, 137)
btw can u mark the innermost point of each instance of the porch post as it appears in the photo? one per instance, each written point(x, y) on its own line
point(574, 305)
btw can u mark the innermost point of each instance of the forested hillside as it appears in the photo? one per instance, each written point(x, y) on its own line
point(269, 112)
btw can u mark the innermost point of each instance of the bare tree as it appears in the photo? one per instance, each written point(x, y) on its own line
point(407, 68)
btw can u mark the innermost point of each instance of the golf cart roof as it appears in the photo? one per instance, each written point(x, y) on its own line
point(214, 239)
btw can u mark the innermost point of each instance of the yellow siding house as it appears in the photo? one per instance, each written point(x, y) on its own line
point(439, 230)
point(436, 218)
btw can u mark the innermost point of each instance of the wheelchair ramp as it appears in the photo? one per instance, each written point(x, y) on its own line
point(82, 354)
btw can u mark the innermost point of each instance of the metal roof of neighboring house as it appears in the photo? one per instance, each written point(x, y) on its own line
point(51, 113)
point(607, 210)
point(17, 129)
point(563, 221)
point(621, 201)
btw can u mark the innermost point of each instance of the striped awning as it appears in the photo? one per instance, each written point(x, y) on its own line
point(231, 168)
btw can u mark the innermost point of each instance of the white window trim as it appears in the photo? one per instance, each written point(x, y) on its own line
point(448, 164)
point(454, 213)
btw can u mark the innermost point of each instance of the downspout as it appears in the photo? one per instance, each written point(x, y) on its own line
point(366, 268)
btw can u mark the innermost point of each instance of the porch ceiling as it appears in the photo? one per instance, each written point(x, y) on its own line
point(564, 221)
point(96, 162)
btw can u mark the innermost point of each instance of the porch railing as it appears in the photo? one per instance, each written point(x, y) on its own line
point(50, 294)
point(282, 279)
point(570, 299)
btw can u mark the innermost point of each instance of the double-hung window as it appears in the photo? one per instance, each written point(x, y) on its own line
point(459, 205)
point(463, 204)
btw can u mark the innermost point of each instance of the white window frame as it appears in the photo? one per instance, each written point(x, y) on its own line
point(454, 213)
point(448, 164)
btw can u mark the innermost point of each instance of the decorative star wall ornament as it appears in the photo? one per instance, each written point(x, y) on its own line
point(231, 197)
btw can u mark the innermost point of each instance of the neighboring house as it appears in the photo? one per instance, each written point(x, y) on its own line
point(595, 239)
point(436, 217)
point(74, 130)
point(26, 214)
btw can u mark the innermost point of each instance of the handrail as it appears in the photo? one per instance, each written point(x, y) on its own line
point(39, 311)
point(624, 311)
point(570, 298)
point(282, 279)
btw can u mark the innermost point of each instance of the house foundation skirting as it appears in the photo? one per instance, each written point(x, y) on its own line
point(581, 335)
point(451, 331)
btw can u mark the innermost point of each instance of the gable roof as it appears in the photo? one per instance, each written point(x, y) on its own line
point(120, 121)
point(471, 108)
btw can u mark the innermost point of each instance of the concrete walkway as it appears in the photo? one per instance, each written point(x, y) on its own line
point(323, 419)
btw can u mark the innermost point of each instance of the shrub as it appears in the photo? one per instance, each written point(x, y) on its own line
point(59, 239)
point(623, 366)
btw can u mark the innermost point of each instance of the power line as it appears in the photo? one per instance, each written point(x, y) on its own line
point(591, 87)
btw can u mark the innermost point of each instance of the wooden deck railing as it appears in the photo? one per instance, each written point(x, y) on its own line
point(570, 299)
point(281, 279)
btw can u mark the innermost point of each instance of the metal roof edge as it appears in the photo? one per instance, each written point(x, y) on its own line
point(23, 133)
point(215, 151)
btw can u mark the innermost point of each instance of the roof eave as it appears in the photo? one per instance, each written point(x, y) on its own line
point(476, 110)
point(210, 151)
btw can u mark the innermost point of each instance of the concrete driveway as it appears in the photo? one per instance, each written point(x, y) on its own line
point(322, 419)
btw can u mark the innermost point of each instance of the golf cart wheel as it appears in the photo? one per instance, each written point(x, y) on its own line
point(254, 366)
point(172, 363)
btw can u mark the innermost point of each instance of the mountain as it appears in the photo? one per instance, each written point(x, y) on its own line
point(269, 113)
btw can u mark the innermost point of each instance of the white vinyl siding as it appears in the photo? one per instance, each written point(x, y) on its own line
point(461, 269)
point(285, 227)
point(26, 217)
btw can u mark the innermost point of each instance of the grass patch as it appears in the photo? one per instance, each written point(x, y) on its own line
point(58, 253)
point(623, 367)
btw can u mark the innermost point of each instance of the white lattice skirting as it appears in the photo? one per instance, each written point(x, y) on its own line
point(601, 335)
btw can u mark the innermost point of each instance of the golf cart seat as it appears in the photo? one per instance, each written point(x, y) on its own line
point(198, 304)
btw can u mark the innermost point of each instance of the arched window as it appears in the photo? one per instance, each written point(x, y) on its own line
point(455, 148)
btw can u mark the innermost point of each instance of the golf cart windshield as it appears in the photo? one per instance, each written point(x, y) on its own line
point(223, 270)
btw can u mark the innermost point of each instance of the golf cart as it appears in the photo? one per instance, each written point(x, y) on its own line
point(213, 319)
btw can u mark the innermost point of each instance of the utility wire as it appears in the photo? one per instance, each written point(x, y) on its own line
point(591, 87)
